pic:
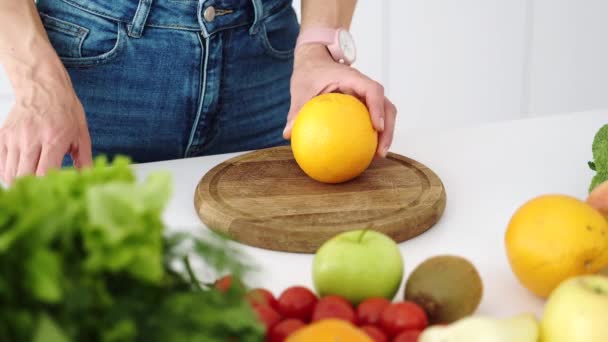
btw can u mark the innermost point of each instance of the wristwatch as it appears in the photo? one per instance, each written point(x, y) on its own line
point(339, 42)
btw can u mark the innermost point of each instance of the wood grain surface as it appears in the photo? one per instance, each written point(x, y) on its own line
point(264, 199)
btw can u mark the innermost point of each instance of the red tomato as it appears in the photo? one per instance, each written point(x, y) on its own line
point(402, 316)
point(297, 302)
point(334, 307)
point(267, 315)
point(262, 297)
point(369, 311)
point(408, 336)
point(223, 283)
point(375, 333)
point(279, 332)
point(340, 299)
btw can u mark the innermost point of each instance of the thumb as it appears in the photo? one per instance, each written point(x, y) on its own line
point(290, 119)
point(82, 154)
point(297, 101)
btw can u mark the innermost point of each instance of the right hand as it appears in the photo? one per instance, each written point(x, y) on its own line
point(46, 122)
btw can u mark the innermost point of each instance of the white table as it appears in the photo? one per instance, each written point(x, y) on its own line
point(488, 171)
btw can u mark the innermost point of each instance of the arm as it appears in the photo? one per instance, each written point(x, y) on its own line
point(46, 120)
point(315, 72)
point(338, 13)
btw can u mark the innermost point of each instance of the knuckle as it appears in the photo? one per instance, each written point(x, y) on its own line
point(54, 134)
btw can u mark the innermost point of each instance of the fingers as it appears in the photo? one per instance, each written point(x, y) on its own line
point(297, 101)
point(12, 161)
point(299, 96)
point(372, 92)
point(82, 155)
point(2, 159)
point(386, 137)
point(28, 159)
point(51, 157)
point(290, 119)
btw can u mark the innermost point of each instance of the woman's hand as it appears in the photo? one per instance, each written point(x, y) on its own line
point(46, 122)
point(315, 72)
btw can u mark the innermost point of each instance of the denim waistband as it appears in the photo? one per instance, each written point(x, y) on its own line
point(182, 14)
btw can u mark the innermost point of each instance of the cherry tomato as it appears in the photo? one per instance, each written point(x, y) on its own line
point(340, 299)
point(369, 311)
point(375, 333)
point(261, 296)
point(282, 330)
point(267, 315)
point(402, 316)
point(223, 283)
point(297, 302)
point(408, 336)
point(334, 307)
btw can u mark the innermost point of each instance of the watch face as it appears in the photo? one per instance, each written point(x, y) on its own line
point(347, 44)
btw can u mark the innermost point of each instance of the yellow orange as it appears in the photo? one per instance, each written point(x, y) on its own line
point(333, 139)
point(329, 330)
point(554, 237)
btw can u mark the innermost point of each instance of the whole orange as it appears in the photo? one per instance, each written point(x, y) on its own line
point(333, 139)
point(329, 330)
point(554, 237)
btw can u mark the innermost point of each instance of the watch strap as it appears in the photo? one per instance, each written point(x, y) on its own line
point(321, 35)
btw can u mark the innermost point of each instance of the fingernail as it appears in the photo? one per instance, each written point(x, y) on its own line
point(382, 124)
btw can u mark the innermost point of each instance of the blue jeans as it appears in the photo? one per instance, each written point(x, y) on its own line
point(168, 79)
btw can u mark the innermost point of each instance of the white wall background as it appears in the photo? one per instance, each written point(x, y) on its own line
point(461, 62)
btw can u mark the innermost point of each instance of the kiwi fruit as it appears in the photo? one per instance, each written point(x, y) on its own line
point(447, 287)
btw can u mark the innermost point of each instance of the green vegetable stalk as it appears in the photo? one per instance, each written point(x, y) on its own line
point(600, 157)
point(84, 257)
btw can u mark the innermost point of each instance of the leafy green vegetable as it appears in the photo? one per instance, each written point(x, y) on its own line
point(83, 257)
point(600, 156)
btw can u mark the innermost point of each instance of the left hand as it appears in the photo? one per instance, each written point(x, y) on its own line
point(315, 72)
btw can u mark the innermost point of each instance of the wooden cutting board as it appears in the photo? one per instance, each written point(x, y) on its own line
point(264, 199)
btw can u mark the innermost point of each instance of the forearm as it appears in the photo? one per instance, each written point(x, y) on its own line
point(25, 51)
point(324, 13)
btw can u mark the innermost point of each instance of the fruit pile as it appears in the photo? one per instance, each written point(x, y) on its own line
point(555, 245)
point(298, 307)
point(355, 307)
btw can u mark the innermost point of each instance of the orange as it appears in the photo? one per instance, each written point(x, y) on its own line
point(333, 139)
point(329, 330)
point(554, 237)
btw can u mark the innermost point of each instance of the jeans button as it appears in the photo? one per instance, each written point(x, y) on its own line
point(209, 14)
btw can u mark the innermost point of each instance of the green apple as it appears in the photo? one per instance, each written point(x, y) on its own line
point(358, 265)
point(520, 328)
point(577, 310)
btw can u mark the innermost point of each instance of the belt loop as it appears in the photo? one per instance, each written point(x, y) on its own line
point(258, 10)
point(136, 27)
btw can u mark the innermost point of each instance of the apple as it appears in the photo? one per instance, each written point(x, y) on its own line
point(479, 328)
point(357, 265)
point(577, 310)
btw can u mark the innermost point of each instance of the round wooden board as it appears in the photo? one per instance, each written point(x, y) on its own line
point(264, 199)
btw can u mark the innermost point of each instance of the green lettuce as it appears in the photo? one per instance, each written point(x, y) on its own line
point(600, 157)
point(84, 257)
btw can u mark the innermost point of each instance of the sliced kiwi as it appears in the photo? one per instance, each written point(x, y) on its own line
point(447, 287)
